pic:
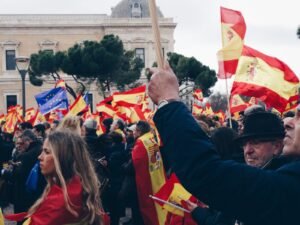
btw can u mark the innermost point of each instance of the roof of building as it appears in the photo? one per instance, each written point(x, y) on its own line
point(124, 9)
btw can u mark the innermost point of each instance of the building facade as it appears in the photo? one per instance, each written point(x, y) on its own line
point(23, 35)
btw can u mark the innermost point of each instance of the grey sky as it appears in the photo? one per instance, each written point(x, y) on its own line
point(271, 25)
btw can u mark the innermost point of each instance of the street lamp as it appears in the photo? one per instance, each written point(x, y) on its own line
point(22, 64)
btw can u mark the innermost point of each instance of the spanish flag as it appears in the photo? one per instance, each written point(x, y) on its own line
point(150, 177)
point(38, 118)
point(198, 95)
point(233, 33)
point(105, 109)
point(221, 115)
point(208, 110)
point(237, 104)
point(60, 83)
point(136, 114)
point(29, 114)
point(197, 110)
point(174, 193)
point(11, 121)
point(135, 96)
point(78, 106)
point(266, 78)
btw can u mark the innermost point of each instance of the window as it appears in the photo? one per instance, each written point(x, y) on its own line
point(10, 56)
point(50, 51)
point(140, 53)
point(136, 5)
point(48, 45)
point(11, 100)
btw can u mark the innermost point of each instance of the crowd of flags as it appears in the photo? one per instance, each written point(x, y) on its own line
point(258, 76)
point(131, 106)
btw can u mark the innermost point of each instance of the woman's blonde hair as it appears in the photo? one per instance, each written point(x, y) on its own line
point(71, 159)
point(72, 123)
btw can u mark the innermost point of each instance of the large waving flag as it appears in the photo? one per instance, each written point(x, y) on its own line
point(150, 177)
point(135, 96)
point(55, 98)
point(266, 78)
point(233, 33)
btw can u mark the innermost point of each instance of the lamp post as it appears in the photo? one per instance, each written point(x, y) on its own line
point(22, 64)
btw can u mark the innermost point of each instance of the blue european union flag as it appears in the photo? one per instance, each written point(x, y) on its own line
point(55, 98)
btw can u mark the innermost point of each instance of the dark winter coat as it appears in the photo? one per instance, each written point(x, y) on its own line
point(22, 199)
point(252, 195)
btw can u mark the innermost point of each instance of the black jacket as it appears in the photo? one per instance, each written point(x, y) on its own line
point(23, 199)
point(249, 194)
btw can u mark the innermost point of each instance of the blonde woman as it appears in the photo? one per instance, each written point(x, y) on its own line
point(72, 123)
point(72, 193)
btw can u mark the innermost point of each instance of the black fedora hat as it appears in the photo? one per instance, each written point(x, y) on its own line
point(264, 125)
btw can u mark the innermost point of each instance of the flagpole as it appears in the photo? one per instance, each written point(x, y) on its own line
point(169, 203)
point(156, 33)
point(228, 103)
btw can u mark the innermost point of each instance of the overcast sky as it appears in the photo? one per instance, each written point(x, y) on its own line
point(271, 25)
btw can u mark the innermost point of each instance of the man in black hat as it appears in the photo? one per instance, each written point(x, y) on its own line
point(262, 138)
point(252, 195)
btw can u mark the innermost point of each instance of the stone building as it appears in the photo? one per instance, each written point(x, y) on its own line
point(22, 35)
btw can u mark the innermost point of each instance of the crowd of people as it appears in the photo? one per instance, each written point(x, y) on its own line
point(64, 173)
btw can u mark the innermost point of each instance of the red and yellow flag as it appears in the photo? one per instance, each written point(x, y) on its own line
point(13, 116)
point(78, 106)
point(233, 33)
point(150, 177)
point(175, 193)
point(198, 95)
point(106, 109)
point(208, 110)
point(135, 96)
point(39, 118)
point(266, 78)
point(60, 83)
point(221, 116)
point(237, 104)
point(197, 110)
point(136, 114)
point(29, 114)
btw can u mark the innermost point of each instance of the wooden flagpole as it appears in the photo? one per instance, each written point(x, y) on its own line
point(169, 203)
point(156, 33)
